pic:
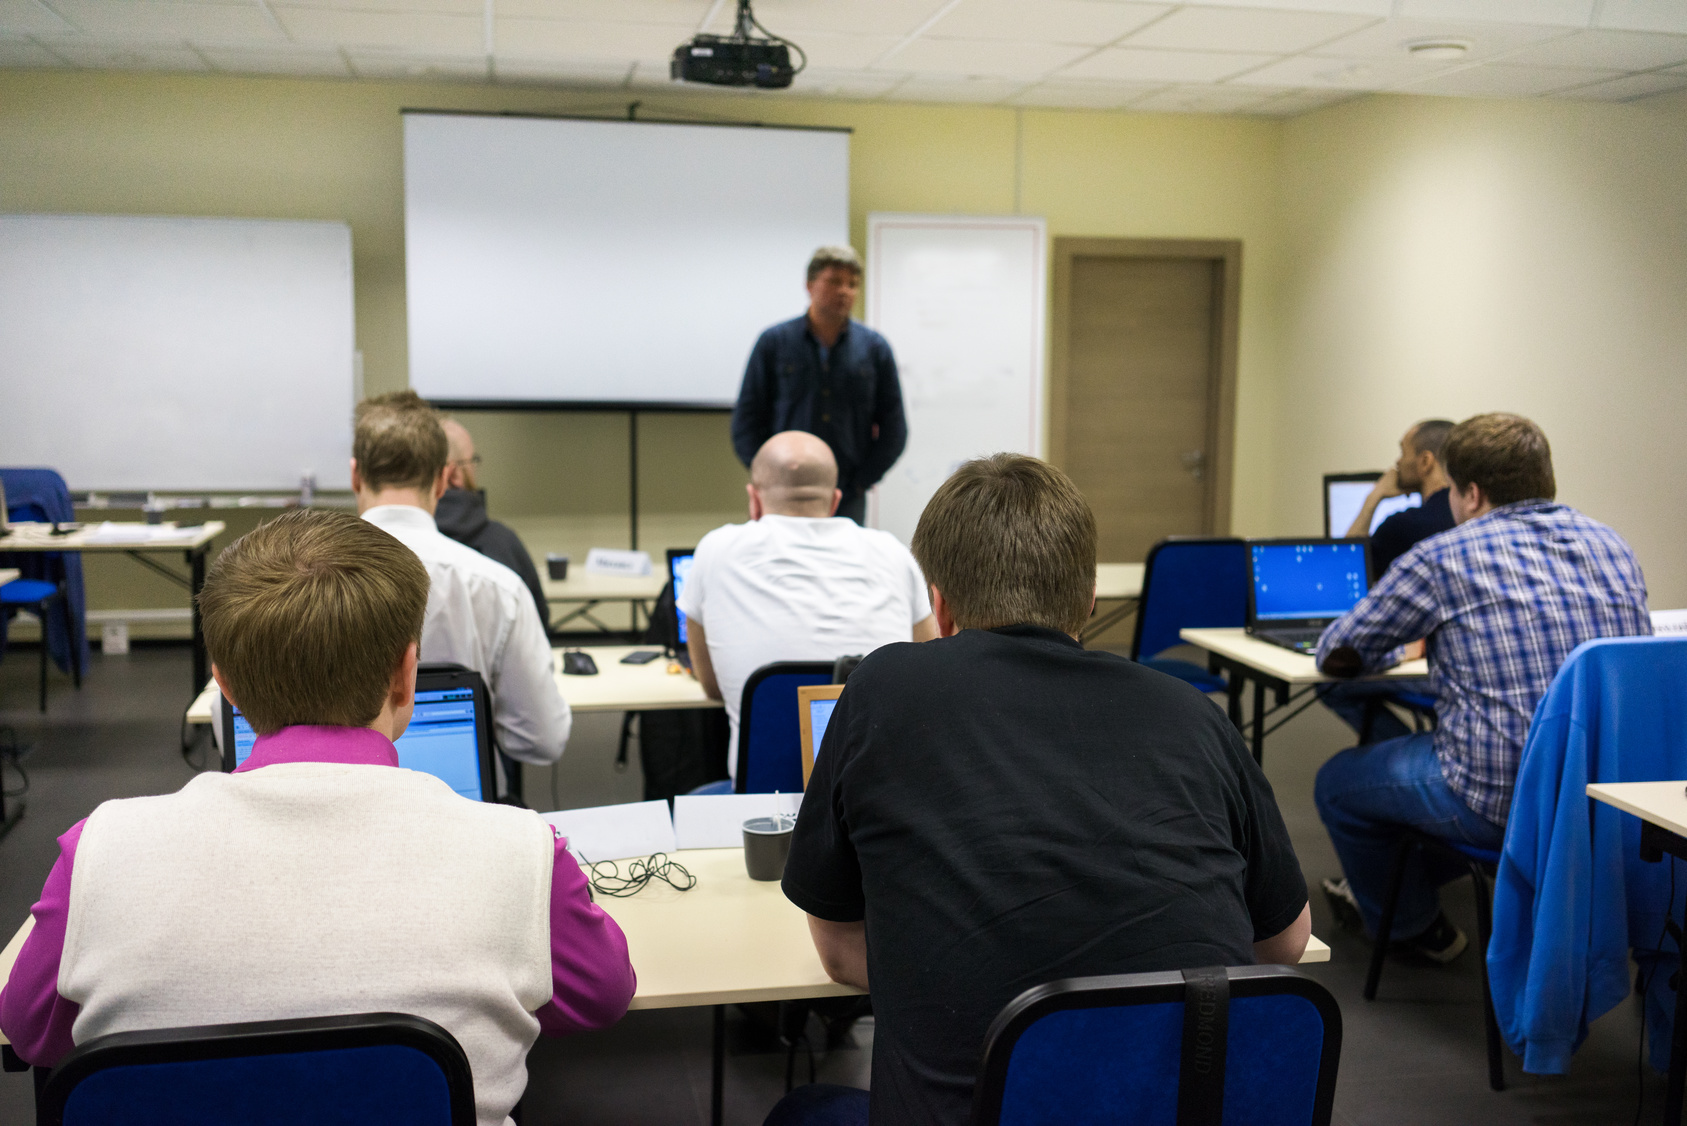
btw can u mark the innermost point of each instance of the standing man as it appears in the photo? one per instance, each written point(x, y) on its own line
point(831, 376)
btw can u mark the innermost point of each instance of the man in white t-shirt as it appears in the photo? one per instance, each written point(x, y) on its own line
point(480, 614)
point(796, 583)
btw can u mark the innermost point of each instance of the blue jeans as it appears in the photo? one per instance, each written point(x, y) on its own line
point(1365, 795)
point(1350, 699)
point(820, 1104)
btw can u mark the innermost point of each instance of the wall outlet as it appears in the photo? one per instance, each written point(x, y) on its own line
point(114, 639)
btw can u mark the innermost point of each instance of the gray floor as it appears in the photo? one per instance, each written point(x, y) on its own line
point(1413, 1056)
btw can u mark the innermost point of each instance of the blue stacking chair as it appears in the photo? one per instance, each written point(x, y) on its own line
point(369, 1069)
point(39, 597)
point(1189, 584)
point(769, 735)
point(1126, 1048)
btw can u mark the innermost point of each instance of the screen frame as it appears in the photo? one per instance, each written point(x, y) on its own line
point(429, 678)
point(673, 554)
point(1370, 477)
point(1363, 543)
point(806, 695)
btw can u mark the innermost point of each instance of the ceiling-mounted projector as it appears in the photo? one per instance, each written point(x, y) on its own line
point(740, 59)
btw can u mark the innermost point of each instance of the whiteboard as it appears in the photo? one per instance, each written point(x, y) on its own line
point(961, 301)
point(564, 261)
point(177, 354)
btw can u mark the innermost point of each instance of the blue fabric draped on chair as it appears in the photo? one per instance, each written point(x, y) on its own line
point(42, 495)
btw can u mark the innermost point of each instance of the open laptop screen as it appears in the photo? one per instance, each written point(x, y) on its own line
point(679, 566)
point(441, 740)
point(1344, 496)
point(1305, 581)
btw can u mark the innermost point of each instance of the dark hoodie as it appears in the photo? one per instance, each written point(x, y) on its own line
point(462, 516)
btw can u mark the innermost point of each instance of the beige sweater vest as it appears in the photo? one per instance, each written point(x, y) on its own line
point(313, 889)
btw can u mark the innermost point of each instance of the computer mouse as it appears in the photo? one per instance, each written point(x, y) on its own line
point(576, 663)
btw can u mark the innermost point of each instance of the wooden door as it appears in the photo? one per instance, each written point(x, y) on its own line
point(1141, 398)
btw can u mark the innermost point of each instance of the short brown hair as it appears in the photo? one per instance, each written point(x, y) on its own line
point(398, 441)
point(308, 617)
point(1009, 540)
point(1506, 455)
point(1430, 436)
point(826, 256)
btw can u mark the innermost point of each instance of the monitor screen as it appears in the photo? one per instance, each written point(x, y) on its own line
point(679, 566)
point(819, 715)
point(1344, 499)
point(1294, 581)
point(439, 741)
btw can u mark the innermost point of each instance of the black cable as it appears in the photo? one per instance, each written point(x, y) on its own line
point(747, 22)
point(640, 874)
point(1646, 989)
point(12, 753)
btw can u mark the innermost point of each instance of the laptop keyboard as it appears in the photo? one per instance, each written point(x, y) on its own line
point(1300, 640)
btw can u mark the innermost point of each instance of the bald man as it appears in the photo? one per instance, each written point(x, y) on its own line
point(461, 514)
point(797, 582)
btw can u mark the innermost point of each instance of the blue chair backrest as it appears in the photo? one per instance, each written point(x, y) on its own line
point(1190, 584)
point(1109, 1049)
point(769, 734)
point(371, 1069)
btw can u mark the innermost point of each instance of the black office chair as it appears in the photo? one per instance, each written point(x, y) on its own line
point(373, 1069)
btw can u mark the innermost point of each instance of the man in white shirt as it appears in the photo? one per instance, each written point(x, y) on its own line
point(479, 613)
point(796, 583)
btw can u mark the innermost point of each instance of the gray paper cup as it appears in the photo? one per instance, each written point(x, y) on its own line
point(767, 842)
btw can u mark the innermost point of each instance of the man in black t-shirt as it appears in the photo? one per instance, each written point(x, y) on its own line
point(1001, 808)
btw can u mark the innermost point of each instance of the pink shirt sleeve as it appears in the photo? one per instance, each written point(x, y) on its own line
point(32, 1014)
point(592, 980)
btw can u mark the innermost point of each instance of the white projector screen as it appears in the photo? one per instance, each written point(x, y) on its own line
point(571, 262)
point(175, 354)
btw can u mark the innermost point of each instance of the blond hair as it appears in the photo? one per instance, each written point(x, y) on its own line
point(828, 256)
point(308, 617)
point(398, 441)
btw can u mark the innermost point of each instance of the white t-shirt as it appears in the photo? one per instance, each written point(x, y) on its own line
point(794, 588)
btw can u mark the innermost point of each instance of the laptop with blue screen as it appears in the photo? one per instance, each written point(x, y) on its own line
point(1297, 587)
point(450, 732)
point(679, 567)
point(814, 711)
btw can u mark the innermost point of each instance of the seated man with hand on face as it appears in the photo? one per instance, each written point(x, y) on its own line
point(461, 514)
point(479, 613)
point(1002, 808)
point(319, 878)
point(796, 583)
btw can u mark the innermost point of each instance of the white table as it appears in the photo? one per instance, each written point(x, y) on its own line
point(590, 591)
point(1242, 657)
point(1114, 582)
point(7, 574)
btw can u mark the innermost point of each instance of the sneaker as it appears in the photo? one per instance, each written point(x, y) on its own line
point(1343, 905)
point(1440, 944)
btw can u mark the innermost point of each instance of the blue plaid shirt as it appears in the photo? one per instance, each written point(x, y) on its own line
point(1502, 599)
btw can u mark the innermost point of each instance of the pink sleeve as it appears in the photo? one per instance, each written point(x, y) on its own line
point(32, 1014)
point(591, 979)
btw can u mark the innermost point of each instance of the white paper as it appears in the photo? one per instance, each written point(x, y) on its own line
point(1669, 623)
point(717, 820)
point(130, 532)
point(615, 561)
point(616, 832)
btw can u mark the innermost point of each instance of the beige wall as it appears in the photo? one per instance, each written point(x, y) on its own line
point(1455, 256)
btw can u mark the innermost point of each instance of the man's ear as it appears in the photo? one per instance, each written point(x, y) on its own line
point(356, 477)
point(442, 482)
point(837, 499)
point(757, 508)
point(222, 685)
point(403, 687)
point(945, 616)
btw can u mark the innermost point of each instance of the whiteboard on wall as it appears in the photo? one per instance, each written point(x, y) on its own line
point(961, 300)
point(177, 354)
point(563, 261)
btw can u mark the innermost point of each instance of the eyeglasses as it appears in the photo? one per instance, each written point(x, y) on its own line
point(475, 460)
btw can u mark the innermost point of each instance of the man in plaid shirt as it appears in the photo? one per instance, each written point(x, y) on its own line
point(1502, 598)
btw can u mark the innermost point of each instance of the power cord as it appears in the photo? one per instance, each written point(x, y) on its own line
point(12, 753)
point(606, 875)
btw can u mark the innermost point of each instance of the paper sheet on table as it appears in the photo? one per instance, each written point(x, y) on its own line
point(1669, 623)
point(717, 820)
point(130, 532)
point(616, 832)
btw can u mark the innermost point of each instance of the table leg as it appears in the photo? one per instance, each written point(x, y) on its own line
point(1678, 1043)
point(1259, 721)
point(1233, 681)
point(196, 565)
point(718, 1069)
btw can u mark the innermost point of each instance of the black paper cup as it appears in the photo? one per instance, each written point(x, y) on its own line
point(557, 566)
point(767, 842)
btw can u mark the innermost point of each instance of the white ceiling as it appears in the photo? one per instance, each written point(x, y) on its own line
point(1273, 57)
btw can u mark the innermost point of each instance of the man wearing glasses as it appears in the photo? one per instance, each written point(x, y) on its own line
point(462, 515)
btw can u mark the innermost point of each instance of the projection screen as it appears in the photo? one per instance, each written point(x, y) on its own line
point(566, 262)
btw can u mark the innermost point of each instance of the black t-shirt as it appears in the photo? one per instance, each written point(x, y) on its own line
point(1397, 535)
point(1005, 809)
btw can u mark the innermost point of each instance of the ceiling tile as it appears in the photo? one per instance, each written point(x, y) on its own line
point(1132, 64)
point(418, 66)
point(1644, 15)
point(19, 53)
point(1046, 21)
point(895, 18)
point(842, 52)
point(983, 58)
point(1201, 99)
point(144, 20)
point(1257, 30)
point(1376, 8)
point(689, 12)
point(561, 72)
point(120, 56)
point(1084, 95)
point(27, 17)
point(1297, 102)
point(418, 32)
point(1341, 74)
point(1496, 81)
point(1629, 88)
point(475, 8)
point(825, 82)
point(919, 89)
point(305, 61)
point(1558, 13)
point(1605, 50)
point(620, 42)
point(1389, 39)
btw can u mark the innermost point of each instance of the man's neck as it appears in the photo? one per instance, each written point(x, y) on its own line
point(409, 498)
point(826, 329)
point(1433, 482)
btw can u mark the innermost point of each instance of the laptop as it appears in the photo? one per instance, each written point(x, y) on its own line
point(1344, 496)
point(1296, 587)
point(450, 734)
point(814, 711)
point(679, 566)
